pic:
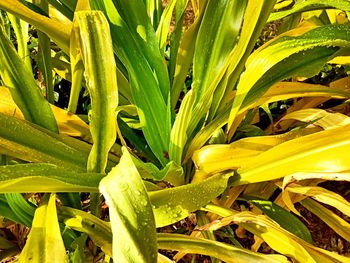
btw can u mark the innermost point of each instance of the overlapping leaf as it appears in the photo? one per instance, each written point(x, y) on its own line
point(173, 204)
point(29, 178)
point(302, 51)
point(45, 242)
point(318, 152)
point(303, 6)
point(136, 45)
point(220, 157)
point(132, 220)
point(25, 141)
point(59, 32)
point(18, 78)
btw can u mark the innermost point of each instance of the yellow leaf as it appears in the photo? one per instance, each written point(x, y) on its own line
point(339, 225)
point(319, 152)
point(220, 157)
point(319, 117)
point(323, 195)
point(44, 244)
point(69, 124)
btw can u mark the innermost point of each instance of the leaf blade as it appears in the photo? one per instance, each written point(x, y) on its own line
point(133, 225)
point(45, 242)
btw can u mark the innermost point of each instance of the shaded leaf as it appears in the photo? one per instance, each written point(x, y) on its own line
point(283, 217)
point(98, 230)
point(17, 76)
point(339, 225)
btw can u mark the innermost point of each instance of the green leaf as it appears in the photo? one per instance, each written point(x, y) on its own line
point(71, 4)
point(6, 211)
point(175, 41)
point(31, 178)
point(28, 142)
point(59, 32)
point(298, 52)
point(98, 230)
point(131, 215)
point(91, 38)
point(134, 14)
point(138, 141)
point(78, 255)
point(136, 45)
point(154, 11)
point(17, 76)
point(64, 8)
point(283, 217)
point(220, 250)
point(303, 6)
point(173, 204)
point(172, 172)
point(44, 57)
point(44, 242)
point(217, 36)
point(21, 30)
point(21, 207)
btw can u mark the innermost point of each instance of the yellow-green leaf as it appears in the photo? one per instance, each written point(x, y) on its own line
point(326, 120)
point(302, 51)
point(131, 215)
point(45, 242)
point(98, 230)
point(220, 157)
point(92, 39)
point(173, 204)
point(303, 6)
point(59, 32)
point(319, 152)
point(220, 250)
point(276, 237)
point(32, 178)
point(17, 76)
point(339, 225)
point(28, 142)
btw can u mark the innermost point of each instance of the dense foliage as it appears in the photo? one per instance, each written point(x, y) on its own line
point(239, 129)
